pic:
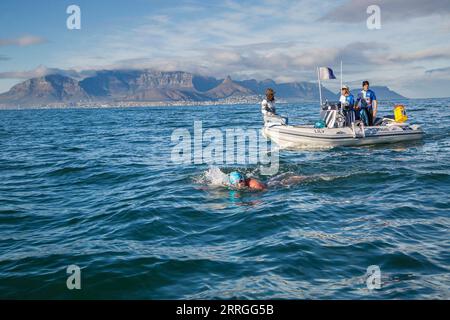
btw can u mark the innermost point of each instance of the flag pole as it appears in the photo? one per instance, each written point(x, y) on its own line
point(341, 76)
point(320, 88)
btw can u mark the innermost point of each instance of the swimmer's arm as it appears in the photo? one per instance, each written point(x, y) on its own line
point(257, 185)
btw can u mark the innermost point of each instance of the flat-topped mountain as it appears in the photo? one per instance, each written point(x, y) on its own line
point(116, 86)
point(130, 83)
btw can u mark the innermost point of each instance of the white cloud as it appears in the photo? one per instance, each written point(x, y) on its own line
point(391, 10)
point(426, 54)
point(441, 73)
point(23, 41)
point(41, 71)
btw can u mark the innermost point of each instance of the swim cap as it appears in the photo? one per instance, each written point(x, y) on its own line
point(235, 177)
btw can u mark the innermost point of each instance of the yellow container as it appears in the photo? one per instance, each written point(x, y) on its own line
point(400, 113)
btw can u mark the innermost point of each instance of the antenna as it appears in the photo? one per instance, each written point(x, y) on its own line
point(320, 88)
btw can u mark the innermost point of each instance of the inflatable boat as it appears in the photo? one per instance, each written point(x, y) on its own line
point(333, 130)
point(335, 133)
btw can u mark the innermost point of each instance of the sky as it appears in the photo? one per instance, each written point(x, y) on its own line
point(277, 39)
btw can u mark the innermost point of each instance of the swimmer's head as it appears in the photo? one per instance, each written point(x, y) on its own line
point(236, 178)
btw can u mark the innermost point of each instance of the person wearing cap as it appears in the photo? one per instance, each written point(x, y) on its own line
point(347, 102)
point(366, 104)
point(268, 104)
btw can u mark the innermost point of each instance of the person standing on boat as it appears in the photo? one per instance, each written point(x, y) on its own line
point(268, 104)
point(367, 104)
point(347, 102)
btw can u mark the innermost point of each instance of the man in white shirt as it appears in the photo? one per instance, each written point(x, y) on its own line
point(268, 104)
point(268, 110)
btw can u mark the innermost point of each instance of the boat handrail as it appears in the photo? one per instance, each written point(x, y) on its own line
point(363, 131)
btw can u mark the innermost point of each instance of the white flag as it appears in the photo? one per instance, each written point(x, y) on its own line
point(326, 73)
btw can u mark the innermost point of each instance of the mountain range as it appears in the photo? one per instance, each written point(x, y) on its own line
point(382, 93)
point(119, 86)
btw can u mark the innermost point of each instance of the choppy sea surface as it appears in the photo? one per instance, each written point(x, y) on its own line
point(97, 188)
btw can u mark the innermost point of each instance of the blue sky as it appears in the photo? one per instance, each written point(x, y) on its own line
point(278, 39)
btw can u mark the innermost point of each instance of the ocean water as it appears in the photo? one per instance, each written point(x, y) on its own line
point(97, 188)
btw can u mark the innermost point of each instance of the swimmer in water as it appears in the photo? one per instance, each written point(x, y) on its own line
point(239, 181)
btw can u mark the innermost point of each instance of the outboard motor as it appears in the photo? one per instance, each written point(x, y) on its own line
point(331, 114)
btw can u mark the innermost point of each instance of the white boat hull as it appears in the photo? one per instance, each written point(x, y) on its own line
point(287, 136)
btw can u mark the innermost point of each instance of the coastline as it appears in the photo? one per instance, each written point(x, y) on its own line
point(149, 104)
point(137, 104)
point(126, 104)
point(141, 104)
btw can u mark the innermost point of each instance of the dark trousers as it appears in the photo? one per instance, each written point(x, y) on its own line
point(370, 116)
point(366, 115)
point(349, 117)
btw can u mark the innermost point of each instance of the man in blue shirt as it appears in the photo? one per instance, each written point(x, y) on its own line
point(366, 105)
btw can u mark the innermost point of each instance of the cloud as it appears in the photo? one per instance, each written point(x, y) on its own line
point(42, 71)
point(354, 11)
point(266, 38)
point(261, 60)
point(439, 74)
point(4, 58)
point(23, 41)
point(427, 54)
point(160, 19)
